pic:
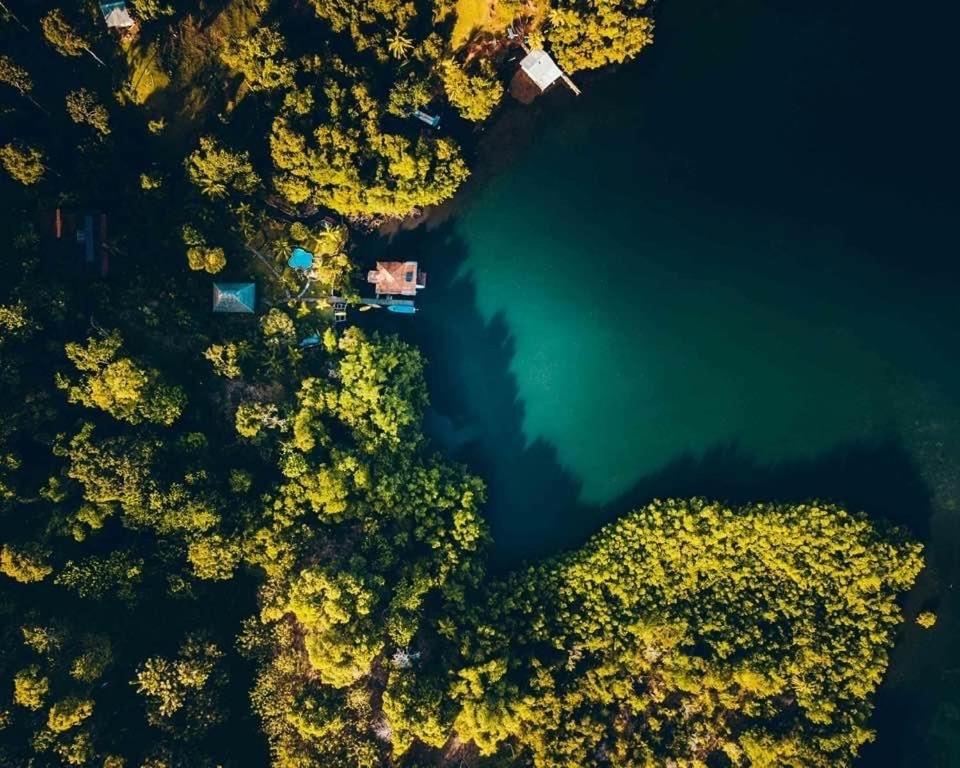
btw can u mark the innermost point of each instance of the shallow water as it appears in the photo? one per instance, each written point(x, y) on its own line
point(728, 269)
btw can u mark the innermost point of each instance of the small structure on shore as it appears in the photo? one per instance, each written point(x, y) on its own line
point(235, 297)
point(397, 278)
point(538, 72)
point(116, 15)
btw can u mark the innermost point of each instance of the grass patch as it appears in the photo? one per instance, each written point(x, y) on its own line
point(482, 16)
point(146, 74)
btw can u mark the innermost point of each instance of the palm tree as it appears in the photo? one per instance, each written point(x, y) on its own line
point(399, 45)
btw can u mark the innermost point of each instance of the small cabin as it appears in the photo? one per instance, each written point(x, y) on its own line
point(538, 72)
point(235, 297)
point(397, 278)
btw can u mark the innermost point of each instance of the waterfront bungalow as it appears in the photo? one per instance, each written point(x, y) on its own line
point(397, 278)
point(234, 297)
point(538, 72)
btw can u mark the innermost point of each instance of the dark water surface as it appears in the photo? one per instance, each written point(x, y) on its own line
point(728, 269)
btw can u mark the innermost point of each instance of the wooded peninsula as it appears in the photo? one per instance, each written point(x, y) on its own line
point(226, 538)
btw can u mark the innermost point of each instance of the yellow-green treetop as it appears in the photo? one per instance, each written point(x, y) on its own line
point(25, 563)
point(84, 107)
point(260, 58)
point(218, 172)
point(61, 34)
point(684, 632)
point(350, 165)
point(24, 164)
point(117, 385)
point(181, 693)
point(69, 713)
point(30, 687)
point(586, 34)
point(474, 95)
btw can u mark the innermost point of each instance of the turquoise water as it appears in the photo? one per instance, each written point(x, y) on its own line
point(728, 269)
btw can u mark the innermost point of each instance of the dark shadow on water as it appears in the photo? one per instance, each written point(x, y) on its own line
point(534, 506)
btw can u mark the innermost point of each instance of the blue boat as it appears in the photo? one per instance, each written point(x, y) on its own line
point(401, 309)
point(431, 120)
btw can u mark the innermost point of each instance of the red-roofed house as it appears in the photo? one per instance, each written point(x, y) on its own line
point(397, 278)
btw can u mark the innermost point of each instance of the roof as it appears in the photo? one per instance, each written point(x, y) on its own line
point(540, 68)
point(234, 297)
point(115, 14)
point(396, 278)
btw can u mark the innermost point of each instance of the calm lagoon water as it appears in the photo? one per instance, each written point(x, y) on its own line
point(728, 269)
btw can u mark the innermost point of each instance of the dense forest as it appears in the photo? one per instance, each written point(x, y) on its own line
point(222, 546)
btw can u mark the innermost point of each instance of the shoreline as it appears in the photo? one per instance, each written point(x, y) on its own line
point(511, 132)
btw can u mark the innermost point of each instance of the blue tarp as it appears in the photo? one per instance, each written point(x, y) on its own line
point(300, 259)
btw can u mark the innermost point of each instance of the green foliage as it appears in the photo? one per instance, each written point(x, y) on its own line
point(61, 35)
point(409, 94)
point(94, 577)
point(150, 181)
point(259, 57)
point(586, 34)
point(15, 76)
point(151, 9)
point(25, 563)
point(349, 165)
point(30, 687)
point(277, 327)
point(474, 96)
point(182, 692)
point(24, 164)
point(117, 385)
point(68, 713)
point(226, 358)
point(217, 172)
point(210, 260)
point(710, 625)
point(95, 658)
point(213, 557)
point(926, 619)
point(399, 45)
point(367, 21)
point(335, 612)
point(84, 108)
point(381, 394)
point(252, 417)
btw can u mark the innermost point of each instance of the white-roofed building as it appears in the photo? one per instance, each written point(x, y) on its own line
point(116, 15)
point(541, 69)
